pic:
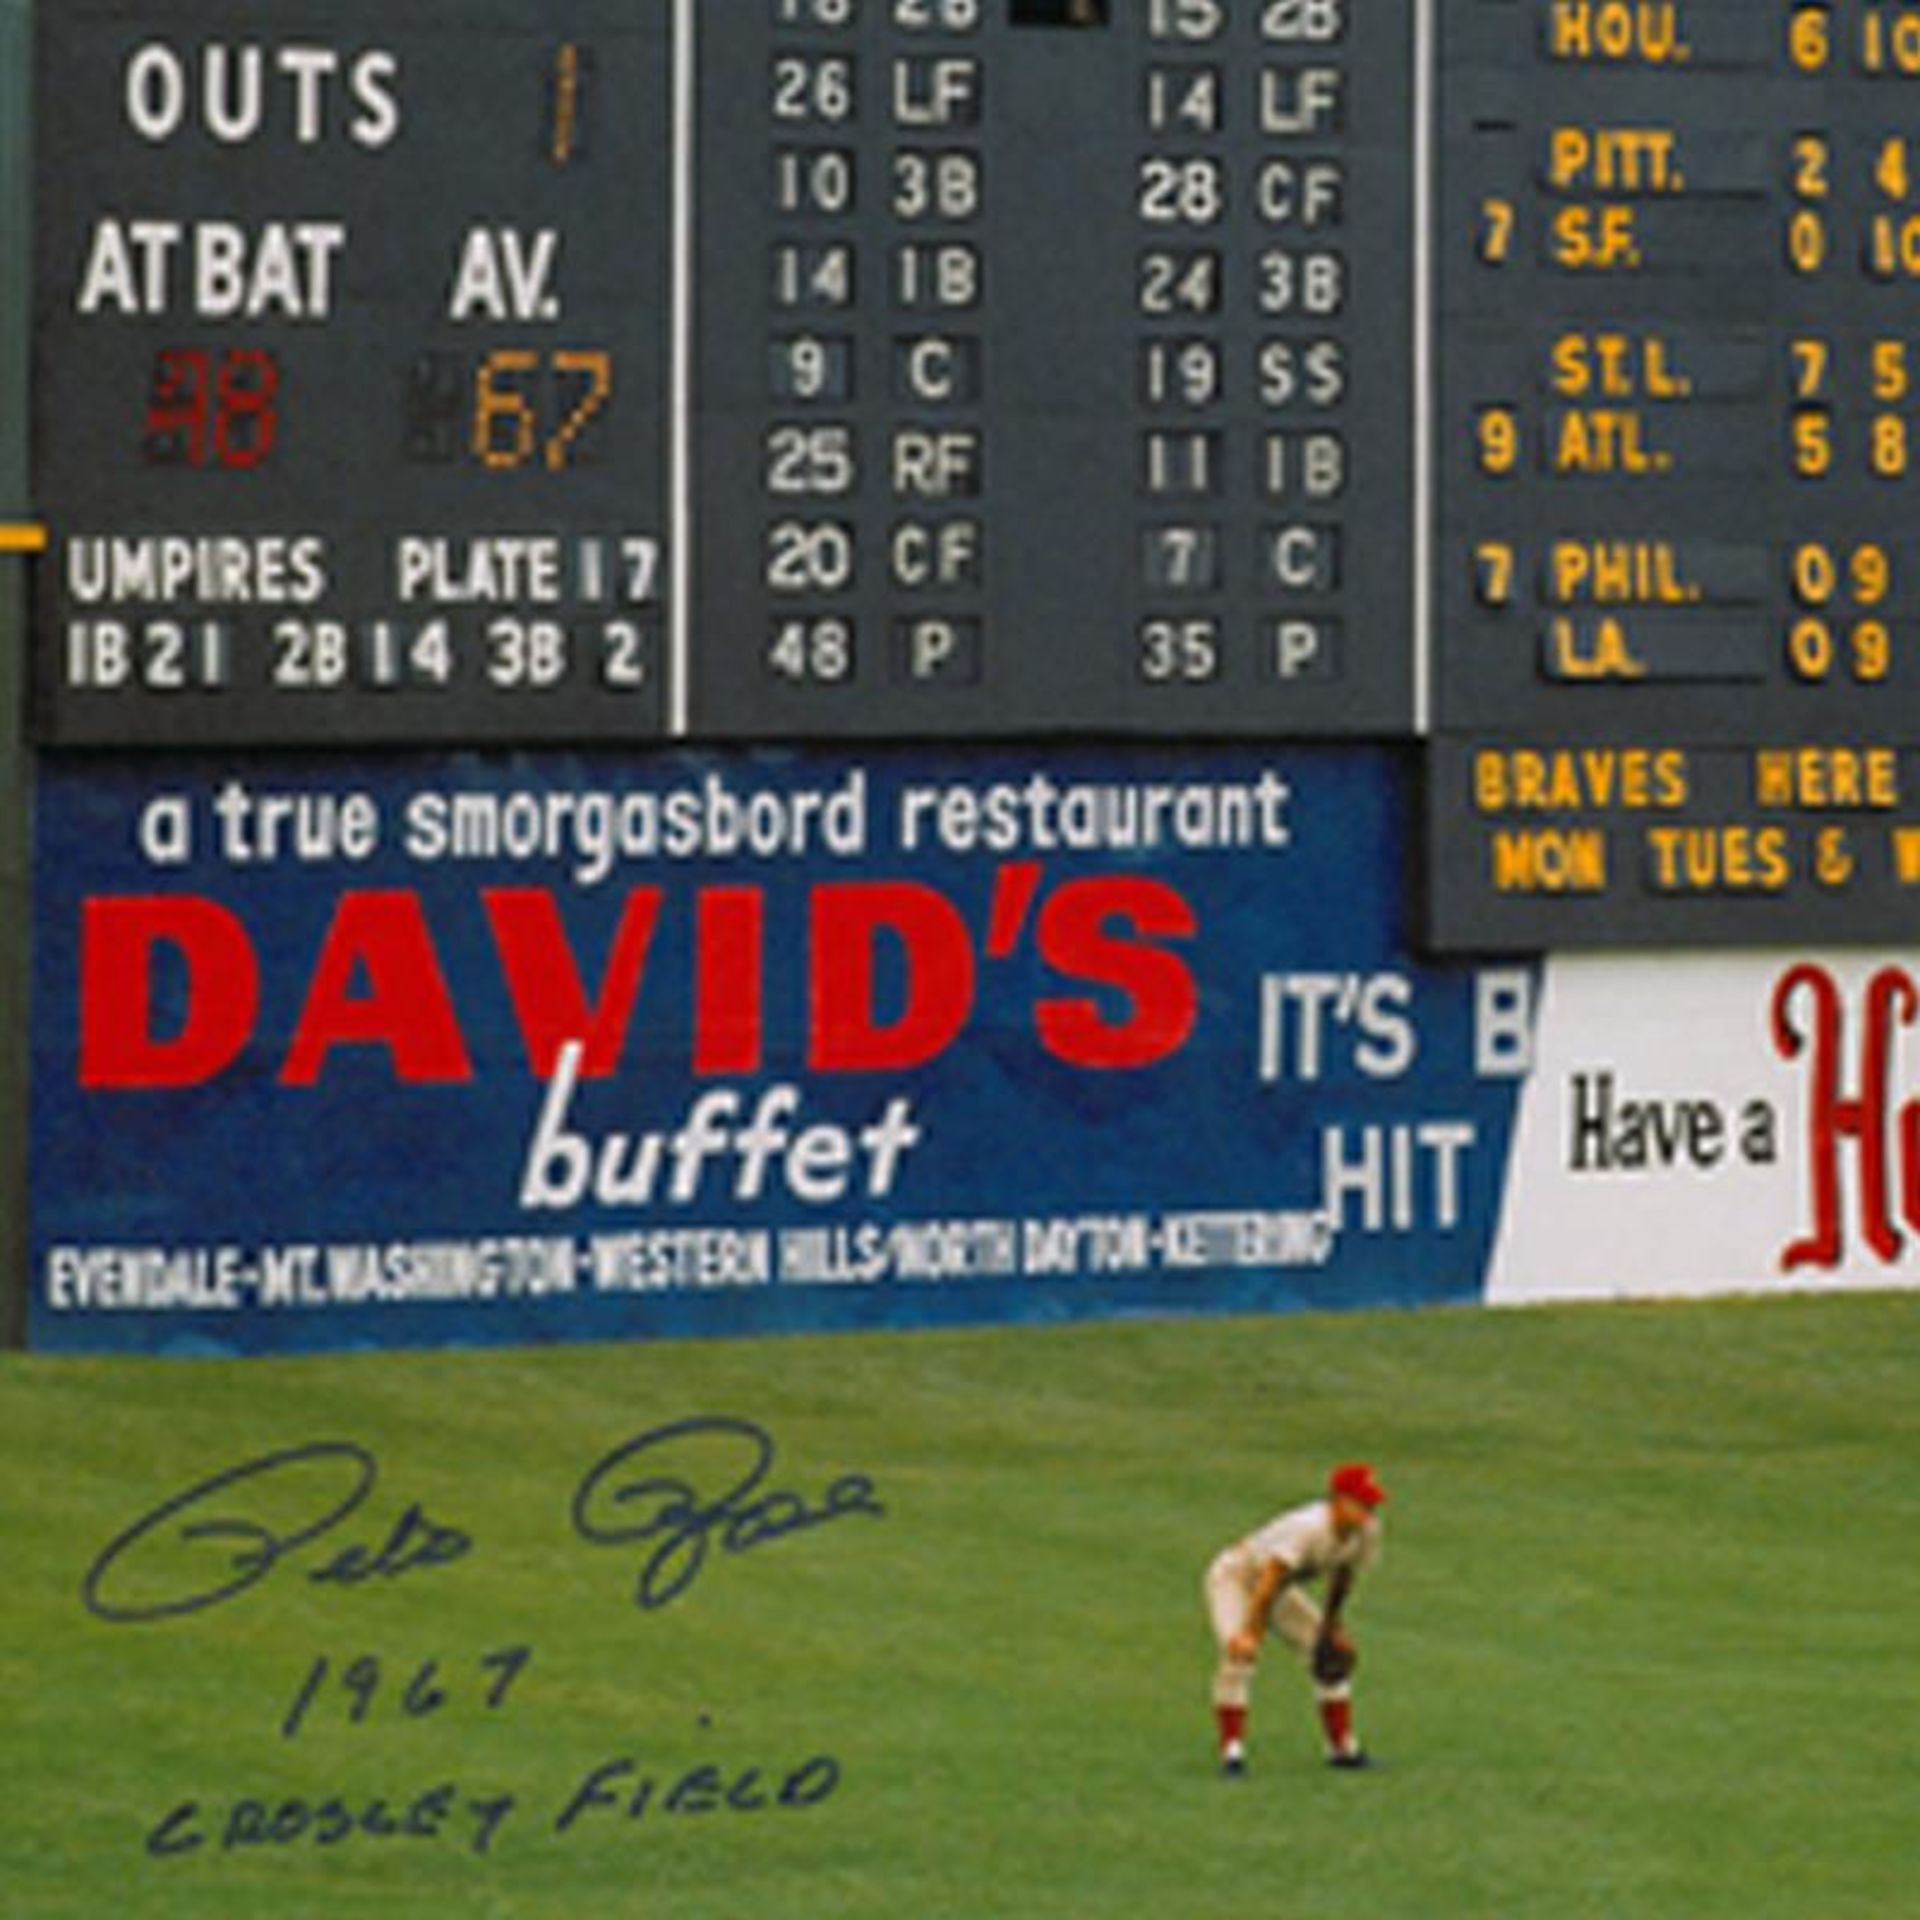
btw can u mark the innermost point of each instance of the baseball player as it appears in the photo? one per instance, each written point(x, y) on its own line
point(1258, 1586)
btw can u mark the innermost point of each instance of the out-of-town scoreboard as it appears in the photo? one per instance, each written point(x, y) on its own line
point(1534, 382)
point(1677, 625)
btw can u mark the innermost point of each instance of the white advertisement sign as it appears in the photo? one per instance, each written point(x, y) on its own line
point(1715, 1123)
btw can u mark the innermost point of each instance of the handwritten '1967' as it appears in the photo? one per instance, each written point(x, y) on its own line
point(675, 1493)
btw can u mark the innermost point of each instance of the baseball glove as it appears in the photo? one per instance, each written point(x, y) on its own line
point(1334, 1659)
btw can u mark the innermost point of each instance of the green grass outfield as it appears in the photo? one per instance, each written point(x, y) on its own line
point(1643, 1642)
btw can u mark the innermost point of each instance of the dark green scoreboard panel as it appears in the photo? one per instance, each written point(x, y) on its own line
point(1678, 680)
point(1530, 381)
point(352, 371)
point(1056, 370)
point(788, 367)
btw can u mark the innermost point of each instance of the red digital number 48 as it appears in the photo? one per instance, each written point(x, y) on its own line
point(213, 411)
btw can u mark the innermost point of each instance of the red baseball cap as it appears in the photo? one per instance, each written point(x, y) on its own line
point(1356, 1481)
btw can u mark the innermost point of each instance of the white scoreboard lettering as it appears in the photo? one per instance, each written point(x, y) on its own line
point(349, 421)
point(992, 339)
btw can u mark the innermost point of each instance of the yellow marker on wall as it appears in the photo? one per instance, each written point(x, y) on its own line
point(22, 536)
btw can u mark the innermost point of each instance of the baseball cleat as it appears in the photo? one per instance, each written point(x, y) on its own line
point(1355, 1761)
point(1233, 1759)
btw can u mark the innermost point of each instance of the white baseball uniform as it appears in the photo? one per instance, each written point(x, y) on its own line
point(1305, 1540)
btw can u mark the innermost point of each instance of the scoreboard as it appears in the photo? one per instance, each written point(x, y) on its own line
point(1082, 391)
point(352, 374)
point(799, 366)
point(1528, 382)
point(1679, 659)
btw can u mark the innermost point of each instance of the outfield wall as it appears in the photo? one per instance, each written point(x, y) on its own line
point(387, 413)
point(483, 1049)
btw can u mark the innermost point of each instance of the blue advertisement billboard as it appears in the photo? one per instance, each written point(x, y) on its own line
point(503, 1048)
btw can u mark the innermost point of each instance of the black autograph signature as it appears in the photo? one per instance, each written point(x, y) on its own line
point(636, 1496)
point(227, 1534)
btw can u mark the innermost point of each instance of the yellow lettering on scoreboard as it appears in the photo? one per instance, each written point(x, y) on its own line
point(1616, 366)
point(1612, 440)
point(1532, 780)
point(1600, 651)
point(1619, 573)
point(1614, 159)
point(1719, 859)
point(1820, 776)
point(1595, 239)
point(1550, 860)
point(1648, 31)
